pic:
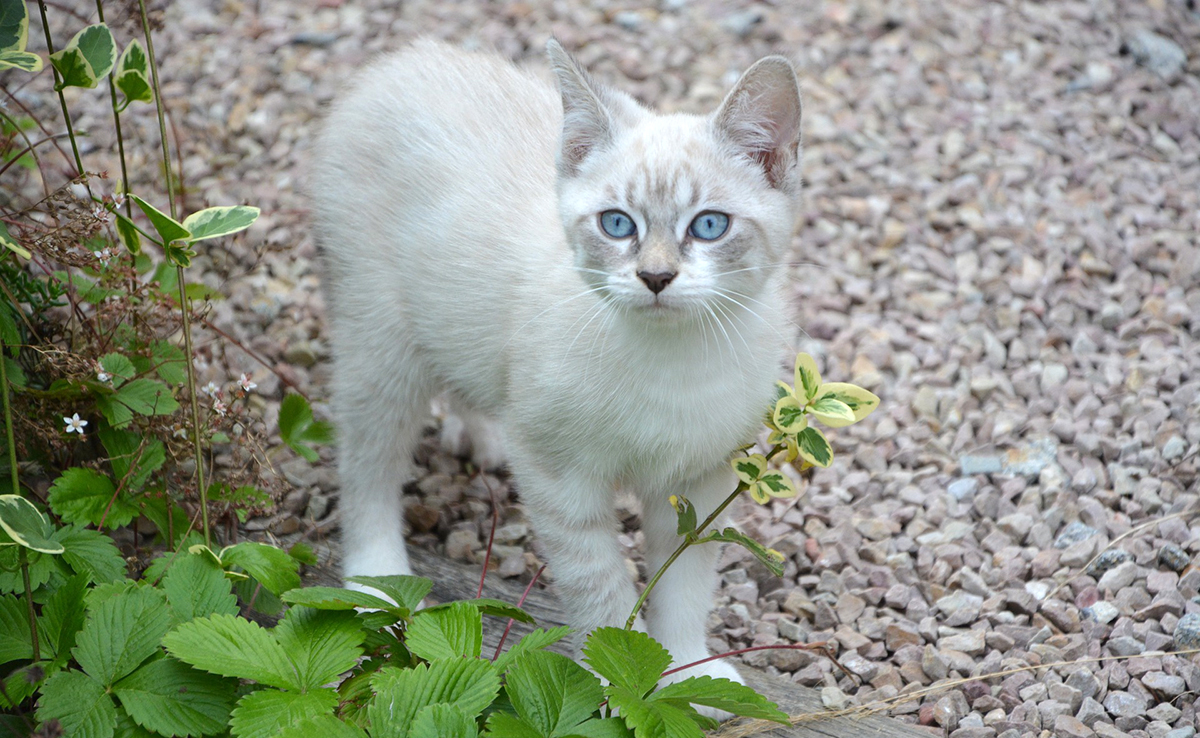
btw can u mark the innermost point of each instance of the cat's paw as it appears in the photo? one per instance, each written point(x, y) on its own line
point(467, 434)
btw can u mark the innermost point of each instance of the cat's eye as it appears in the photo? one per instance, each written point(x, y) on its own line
point(709, 226)
point(617, 224)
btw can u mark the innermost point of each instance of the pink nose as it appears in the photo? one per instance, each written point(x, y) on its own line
point(657, 281)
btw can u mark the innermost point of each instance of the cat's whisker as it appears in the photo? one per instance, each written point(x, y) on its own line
point(591, 271)
point(772, 266)
point(732, 316)
point(712, 306)
point(729, 295)
point(589, 291)
point(595, 311)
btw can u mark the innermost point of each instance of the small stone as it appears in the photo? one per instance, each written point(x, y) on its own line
point(963, 489)
point(1123, 704)
point(1065, 725)
point(1090, 711)
point(1174, 448)
point(1157, 53)
point(1173, 557)
point(1085, 681)
point(1108, 560)
point(285, 525)
point(933, 664)
point(1164, 711)
point(1118, 578)
point(899, 635)
point(834, 699)
point(1163, 683)
point(970, 642)
point(1074, 533)
point(300, 353)
point(318, 507)
point(1125, 646)
point(1187, 632)
point(948, 710)
point(423, 518)
point(1063, 616)
point(1186, 731)
point(1101, 612)
point(460, 544)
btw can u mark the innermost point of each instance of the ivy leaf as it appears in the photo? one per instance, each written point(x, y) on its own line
point(6, 240)
point(789, 416)
point(814, 447)
point(127, 232)
point(172, 699)
point(772, 484)
point(626, 658)
point(22, 524)
point(722, 694)
point(265, 713)
point(220, 221)
point(298, 429)
point(98, 48)
point(133, 59)
point(538, 639)
point(860, 401)
point(749, 468)
point(446, 633)
point(685, 514)
point(442, 721)
point(832, 411)
point(15, 640)
point(14, 26)
point(322, 644)
point(808, 377)
point(91, 553)
point(83, 496)
point(770, 558)
point(271, 566)
point(167, 227)
point(28, 62)
point(79, 703)
point(196, 588)
point(235, 647)
point(121, 633)
point(73, 69)
point(469, 684)
point(134, 86)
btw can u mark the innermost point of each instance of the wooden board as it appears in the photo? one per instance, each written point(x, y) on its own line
point(455, 581)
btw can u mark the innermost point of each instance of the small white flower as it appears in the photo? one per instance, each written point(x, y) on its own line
point(245, 383)
point(119, 199)
point(219, 407)
point(211, 389)
point(180, 432)
point(74, 424)
point(102, 375)
point(101, 213)
point(104, 255)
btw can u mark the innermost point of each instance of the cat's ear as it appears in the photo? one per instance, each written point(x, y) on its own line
point(591, 113)
point(761, 119)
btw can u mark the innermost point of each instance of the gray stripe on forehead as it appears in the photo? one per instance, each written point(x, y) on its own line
point(678, 184)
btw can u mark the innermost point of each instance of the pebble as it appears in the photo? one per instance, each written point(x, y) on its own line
point(1074, 533)
point(1159, 54)
point(1187, 632)
point(963, 489)
point(1173, 557)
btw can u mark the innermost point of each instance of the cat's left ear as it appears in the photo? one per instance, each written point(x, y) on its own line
point(591, 112)
point(761, 118)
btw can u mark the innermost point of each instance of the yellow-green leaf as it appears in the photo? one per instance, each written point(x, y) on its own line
point(22, 524)
point(14, 25)
point(98, 47)
point(789, 415)
point(220, 221)
point(133, 58)
point(24, 60)
point(808, 377)
point(749, 468)
point(168, 228)
point(128, 233)
point(814, 447)
point(860, 401)
point(10, 243)
point(777, 484)
point(73, 68)
point(832, 411)
point(134, 86)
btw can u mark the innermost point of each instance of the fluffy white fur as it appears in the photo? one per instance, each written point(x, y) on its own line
point(458, 208)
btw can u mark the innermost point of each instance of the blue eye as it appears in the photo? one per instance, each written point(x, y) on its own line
point(709, 226)
point(617, 224)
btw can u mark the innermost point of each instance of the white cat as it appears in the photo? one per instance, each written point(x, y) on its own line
point(601, 282)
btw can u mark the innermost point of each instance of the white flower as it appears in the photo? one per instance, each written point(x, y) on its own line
point(104, 255)
point(180, 432)
point(119, 199)
point(102, 375)
point(100, 213)
point(211, 389)
point(245, 383)
point(74, 424)
point(219, 407)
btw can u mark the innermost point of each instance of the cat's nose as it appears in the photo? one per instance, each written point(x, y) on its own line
point(657, 281)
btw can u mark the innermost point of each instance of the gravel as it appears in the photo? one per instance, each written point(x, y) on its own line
point(998, 238)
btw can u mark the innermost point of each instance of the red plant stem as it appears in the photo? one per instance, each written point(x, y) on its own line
point(821, 646)
point(487, 556)
point(520, 602)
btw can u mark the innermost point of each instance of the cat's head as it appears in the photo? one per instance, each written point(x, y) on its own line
point(669, 214)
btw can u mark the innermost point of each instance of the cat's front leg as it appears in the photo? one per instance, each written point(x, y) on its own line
point(575, 520)
point(678, 608)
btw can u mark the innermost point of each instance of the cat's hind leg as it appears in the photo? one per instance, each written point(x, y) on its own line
point(468, 433)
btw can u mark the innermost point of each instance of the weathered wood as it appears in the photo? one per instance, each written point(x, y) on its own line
point(455, 581)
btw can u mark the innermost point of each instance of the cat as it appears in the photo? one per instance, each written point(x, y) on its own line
point(598, 288)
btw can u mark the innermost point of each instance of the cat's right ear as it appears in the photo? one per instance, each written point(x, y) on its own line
point(590, 112)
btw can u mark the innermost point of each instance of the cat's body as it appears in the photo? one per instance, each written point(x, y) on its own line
point(465, 253)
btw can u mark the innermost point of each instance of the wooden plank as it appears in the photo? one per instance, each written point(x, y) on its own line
point(455, 581)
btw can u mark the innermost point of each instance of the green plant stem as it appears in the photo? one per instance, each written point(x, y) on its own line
point(62, 100)
point(688, 542)
point(112, 93)
point(8, 431)
point(23, 557)
point(184, 303)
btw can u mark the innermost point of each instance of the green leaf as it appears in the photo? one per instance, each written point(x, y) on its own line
point(134, 86)
point(772, 484)
point(536, 640)
point(98, 47)
point(127, 232)
point(489, 606)
point(808, 378)
point(298, 429)
point(6, 240)
point(770, 558)
point(126, 728)
point(73, 68)
point(121, 633)
point(233, 647)
point(832, 411)
point(723, 694)
point(333, 598)
point(685, 513)
point(322, 726)
point(42, 569)
point(91, 553)
point(748, 469)
point(552, 692)
point(167, 277)
point(172, 699)
point(469, 684)
point(264, 714)
point(197, 588)
point(814, 447)
point(169, 362)
point(405, 590)
point(86, 496)
point(19, 685)
point(179, 254)
point(167, 227)
point(271, 566)
point(443, 721)
point(860, 401)
point(133, 457)
point(133, 58)
point(445, 633)
point(79, 703)
point(28, 62)
point(626, 658)
point(322, 644)
point(504, 725)
point(147, 397)
point(15, 639)
point(200, 291)
point(8, 329)
point(63, 616)
point(120, 367)
point(14, 25)
point(303, 553)
point(220, 221)
point(789, 415)
point(117, 414)
point(22, 524)
point(653, 719)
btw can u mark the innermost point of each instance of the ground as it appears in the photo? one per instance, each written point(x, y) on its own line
point(999, 238)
